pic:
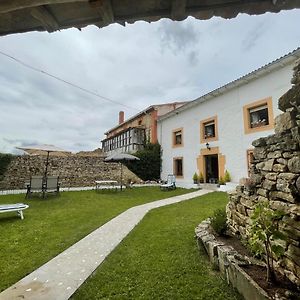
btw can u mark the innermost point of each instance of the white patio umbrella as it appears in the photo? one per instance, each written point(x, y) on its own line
point(42, 148)
point(121, 158)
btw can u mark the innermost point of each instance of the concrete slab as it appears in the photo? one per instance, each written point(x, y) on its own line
point(60, 277)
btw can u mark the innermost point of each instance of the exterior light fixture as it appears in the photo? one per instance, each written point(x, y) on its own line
point(207, 146)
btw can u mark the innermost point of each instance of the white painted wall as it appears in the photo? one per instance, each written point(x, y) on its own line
point(232, 142)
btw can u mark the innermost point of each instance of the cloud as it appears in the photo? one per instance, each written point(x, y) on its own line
point(139, 65)
point(179, 36)
point(254, 35)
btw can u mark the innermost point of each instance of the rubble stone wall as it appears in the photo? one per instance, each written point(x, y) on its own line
point(73, 170)
point(275, 178)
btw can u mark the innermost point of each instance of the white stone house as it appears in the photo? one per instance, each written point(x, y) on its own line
point(214, 132)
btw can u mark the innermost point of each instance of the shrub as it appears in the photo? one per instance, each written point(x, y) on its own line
point(218, 221)
point(195, 177)
point(227, 176)
point(221, 181)
point(148, 167)
point(264, 235)
point(201, 177)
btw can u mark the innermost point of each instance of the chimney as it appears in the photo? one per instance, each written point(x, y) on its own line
point(121, 117)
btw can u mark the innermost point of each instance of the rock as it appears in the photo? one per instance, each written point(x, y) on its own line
point(280, 205)
point(296, 134)
point(282, 161)
point(290, 230)
point(275, 154)
point(292, 95)
point(294, 164)
point(269, 185)
point(260, 165)
point(259, 153)
point(279, 168)
point(285, 121)
point(268, 165)
point(294, 253)
point(287, 176)
point(289, 154)
point(247, 203)
point(298, 184)
point(256, 178)
point(285, 186)
point(241, 209)
point(282, 195)
point(271, 176)
point(263, 192)
point(262, 199)
point(259, 142)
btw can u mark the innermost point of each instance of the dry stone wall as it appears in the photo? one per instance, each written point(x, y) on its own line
point(275, 178)
point(73, 170)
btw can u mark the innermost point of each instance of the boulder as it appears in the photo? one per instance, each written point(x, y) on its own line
point(291, 96)
point(294, 164)
point(285, 121)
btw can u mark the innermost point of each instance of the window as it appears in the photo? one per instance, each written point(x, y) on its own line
point(208, 130)
point(177, 138)
point(258, 116)
point(178, 166)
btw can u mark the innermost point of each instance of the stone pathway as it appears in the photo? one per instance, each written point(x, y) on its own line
point(59, 278)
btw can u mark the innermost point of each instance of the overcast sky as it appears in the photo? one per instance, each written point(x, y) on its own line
point(138, 65)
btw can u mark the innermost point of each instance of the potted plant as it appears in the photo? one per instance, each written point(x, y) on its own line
point(201, 178)
point(221, 181)
point(227, 176)
point(195, 178)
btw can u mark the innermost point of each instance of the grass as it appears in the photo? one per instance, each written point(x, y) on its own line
point(52, 225)
point(159, 259)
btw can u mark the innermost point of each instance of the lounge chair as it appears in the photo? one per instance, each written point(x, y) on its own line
point(36, 185)
point(18, 207)
point(52, 185)
point(170, 184)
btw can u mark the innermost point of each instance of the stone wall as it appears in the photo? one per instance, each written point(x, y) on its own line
point(275, 178)
point(73, 170)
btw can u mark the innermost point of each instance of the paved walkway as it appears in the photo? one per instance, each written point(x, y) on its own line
point(59, 278)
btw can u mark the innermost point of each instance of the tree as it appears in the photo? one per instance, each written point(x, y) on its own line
point(148, 167)
point(264, 235)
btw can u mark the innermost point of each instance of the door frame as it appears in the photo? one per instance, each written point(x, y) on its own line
point(201, 161)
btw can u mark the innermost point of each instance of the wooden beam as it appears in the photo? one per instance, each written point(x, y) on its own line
point(104, 7)
point(178, 12)
point(42, 14)
point(11, 5)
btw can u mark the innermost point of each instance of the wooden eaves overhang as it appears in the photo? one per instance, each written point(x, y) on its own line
point(18, 16)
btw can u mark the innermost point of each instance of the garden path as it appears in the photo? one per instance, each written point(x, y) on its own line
point(62, 276)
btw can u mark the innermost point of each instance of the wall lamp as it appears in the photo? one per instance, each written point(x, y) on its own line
point(207, 146)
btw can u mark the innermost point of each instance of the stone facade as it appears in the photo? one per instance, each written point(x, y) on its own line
point(275, 177)
point(73, 170)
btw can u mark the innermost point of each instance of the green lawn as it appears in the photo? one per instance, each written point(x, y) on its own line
point(159, 259)
point(52, 225)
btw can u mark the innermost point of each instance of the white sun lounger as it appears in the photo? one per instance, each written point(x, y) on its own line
point(18, 207)
point(170, 184)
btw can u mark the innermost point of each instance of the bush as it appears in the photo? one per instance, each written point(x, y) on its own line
point(201, 177)
point(227, 176)
point(221, 181)
point(148, 167)
point(218, 221)
point(5, 159)
point(265, 236)
point(195, 177)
